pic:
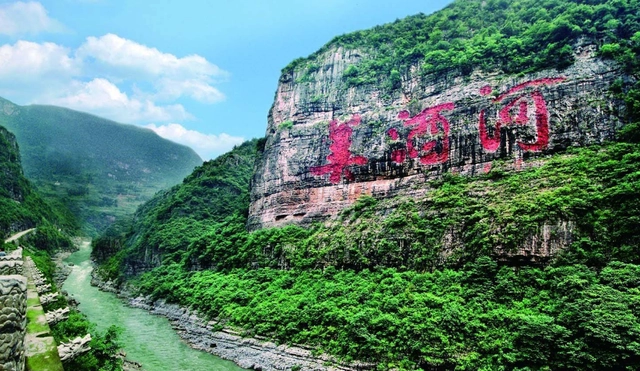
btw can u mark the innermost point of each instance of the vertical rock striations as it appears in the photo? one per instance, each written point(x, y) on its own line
point(327, 143)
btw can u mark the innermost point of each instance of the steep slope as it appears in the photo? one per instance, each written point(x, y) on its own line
point(163, 228)
point(383, 111)
point(21, 208)
point(98, 168)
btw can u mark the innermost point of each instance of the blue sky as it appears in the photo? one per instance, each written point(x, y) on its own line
point(201, 73)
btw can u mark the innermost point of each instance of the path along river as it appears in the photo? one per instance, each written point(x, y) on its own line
point(146, 338)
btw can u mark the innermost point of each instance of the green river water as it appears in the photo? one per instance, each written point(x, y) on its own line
point(146, 338)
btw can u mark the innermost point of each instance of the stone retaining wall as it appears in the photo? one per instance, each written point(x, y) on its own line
point(13, 322)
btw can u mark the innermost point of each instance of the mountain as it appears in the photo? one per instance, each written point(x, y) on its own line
point(457, 190)
point(98, 168)
point(21, 207)
point(162, 228)
point(383, 111)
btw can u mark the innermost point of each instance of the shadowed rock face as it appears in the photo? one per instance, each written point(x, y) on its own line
point(348, 142)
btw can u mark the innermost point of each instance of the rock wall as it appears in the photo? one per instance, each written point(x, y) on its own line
point(11, 264)
point(13, 322)
point(328, 144)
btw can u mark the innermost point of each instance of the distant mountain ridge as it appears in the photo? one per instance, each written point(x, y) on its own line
point(98, 168)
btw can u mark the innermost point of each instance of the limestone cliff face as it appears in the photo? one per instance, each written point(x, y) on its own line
point(327, 143)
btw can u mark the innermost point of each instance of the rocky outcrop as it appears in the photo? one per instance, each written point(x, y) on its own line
point(328, 144)
point(13, 322)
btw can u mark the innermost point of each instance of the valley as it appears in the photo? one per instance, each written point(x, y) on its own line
point(147, 339)
point(457, 190)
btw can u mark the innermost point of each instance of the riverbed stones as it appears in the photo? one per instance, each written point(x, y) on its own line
point(247, 352)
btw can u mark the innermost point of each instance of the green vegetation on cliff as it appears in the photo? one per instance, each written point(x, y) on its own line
point(439, 282)
point(518, 36)
point(22, 208)
point(97, 168)
point(376, 288)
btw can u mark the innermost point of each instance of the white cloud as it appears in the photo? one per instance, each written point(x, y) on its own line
point(172, 77)
point(26, 18)
point(104, 98)
point(198, 90)
point(27, 60)
point(207, 146)
point(102, 77)
point(114, 78)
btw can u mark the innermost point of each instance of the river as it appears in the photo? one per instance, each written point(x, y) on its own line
point(146, 338)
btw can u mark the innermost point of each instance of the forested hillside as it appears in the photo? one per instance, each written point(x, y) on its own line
point(21, 207)
point(214, 195)
point(441, 282)
point(512, 37)
point(97, 168)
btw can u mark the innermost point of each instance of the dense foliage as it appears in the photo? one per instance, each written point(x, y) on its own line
point(21, 207)
point(97, 168)
point(104, 346)
point(491, 35)
point(390, 288)
point(568, 317)
point(215, 191)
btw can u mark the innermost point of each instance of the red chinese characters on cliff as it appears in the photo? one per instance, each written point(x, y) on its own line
point(341, 157)
point(428, 139)
point(516, 112)
point(431, 121)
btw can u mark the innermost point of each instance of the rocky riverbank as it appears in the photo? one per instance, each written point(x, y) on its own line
point(252, 353)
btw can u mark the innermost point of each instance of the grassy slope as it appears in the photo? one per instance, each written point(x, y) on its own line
point(98, 168)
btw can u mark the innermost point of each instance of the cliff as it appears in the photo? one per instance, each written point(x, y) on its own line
point(358, 141)
point(12, 181)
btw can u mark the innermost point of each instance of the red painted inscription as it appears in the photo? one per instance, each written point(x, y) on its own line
point(428, 136)
point(516, 112)
point(431, 121)
point(341, 157)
